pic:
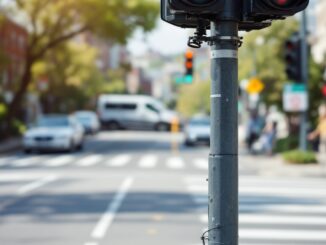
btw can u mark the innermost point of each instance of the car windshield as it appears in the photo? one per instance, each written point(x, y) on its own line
point(200, 122)
point(53, 122)
point(84, 119)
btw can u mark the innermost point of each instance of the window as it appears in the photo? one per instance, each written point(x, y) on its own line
point(121, 106)
point(152, 108)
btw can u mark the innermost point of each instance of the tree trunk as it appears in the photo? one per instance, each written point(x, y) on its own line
point(15, 106)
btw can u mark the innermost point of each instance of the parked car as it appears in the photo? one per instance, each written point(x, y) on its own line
point(88, 120)
point(134, 112)
point(54, 132)
point(197, 130)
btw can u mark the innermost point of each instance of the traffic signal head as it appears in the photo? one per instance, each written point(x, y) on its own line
point(273, 9)
point(197, 6)
point(189, 66)
point(293, 58)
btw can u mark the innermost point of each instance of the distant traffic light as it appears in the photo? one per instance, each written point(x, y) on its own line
point(293, 58)
point(189, 66)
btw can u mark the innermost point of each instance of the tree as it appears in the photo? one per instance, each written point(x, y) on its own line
point(194, 98)
point(51, 23)
point(268, 59)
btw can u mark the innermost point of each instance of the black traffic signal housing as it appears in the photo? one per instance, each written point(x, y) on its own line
point(198, 7)
point(189, 66)
point(293, 58)
point(251, 14)
point(259, 10)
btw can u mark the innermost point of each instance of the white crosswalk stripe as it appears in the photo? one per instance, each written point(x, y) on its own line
point(201, 163)
point(60, 161)
point(284, 214)
point(148, 161)
point(90, 160)
point(175, 163)
point(26, 161)
point(119, 161)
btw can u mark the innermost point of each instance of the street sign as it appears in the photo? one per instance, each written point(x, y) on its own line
point(255, 86)
point(295, 98)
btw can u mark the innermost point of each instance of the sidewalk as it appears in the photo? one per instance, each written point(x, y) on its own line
point(10, 145)
point(275, 166)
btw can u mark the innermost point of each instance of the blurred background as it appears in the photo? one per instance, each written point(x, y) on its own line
point(104, 127)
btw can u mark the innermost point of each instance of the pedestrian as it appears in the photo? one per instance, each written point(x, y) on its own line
point(320, 131)
point(254, 129)
point(269, 137)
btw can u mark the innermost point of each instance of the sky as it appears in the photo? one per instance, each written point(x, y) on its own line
point(165, 38)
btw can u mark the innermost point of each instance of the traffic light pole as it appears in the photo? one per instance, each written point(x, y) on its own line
point(304, 77)
point(223, 158)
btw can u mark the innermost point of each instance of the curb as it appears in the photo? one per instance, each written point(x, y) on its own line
point(10, 145)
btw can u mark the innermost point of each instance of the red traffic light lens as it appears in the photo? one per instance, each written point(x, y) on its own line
point(285, 3)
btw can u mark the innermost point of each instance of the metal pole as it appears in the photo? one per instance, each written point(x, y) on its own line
point(304, 76)
point(223, 159)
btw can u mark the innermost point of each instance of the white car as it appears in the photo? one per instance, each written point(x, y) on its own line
point(88, 120)
point(54, 132)
point(134, 112)
point(197, 131)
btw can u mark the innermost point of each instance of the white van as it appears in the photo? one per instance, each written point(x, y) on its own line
point(133, 112)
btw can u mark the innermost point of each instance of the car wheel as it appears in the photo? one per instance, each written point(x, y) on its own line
point(113, 125)
point(189, 143)
point(162, 127)
point(72, 147)
point(27, 151)
point(80, 147)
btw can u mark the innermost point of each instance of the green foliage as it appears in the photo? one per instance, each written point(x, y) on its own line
point(300, 157)
point(194, 98)
point(287, 144)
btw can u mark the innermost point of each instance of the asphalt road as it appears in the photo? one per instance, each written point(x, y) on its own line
point(138, 188)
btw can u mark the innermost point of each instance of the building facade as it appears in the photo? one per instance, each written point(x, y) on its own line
point(319, 47)
point(13, 47)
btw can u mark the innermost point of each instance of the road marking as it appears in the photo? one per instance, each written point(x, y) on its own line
point(282, 235)
point(6, 160)
point(201, 163)
point(148, 161)
point(284, 208)
point(59, 161)
point(119, 161)
point(109, 215)
point(25, 161)
point(36, 184)
point(175, 163)
point(272, 219)
point(89, 160)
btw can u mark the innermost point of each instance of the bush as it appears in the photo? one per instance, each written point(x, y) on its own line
point(287, 144)
point(300, 157)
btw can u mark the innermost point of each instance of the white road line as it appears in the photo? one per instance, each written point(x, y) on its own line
point(175, 163)
point(36, 184)
point(25, 161)
point(91, 243)
point(282, 235)
point(119, 160)
point(109, 215)
point(89, 160)
point(59, 161)
point(7, 160)
point(148, 161)
point(201, 163)
point(271, 219)
point(284, 208)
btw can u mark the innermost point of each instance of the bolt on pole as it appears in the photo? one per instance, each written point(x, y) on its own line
point(223, 158)
point(304, 77)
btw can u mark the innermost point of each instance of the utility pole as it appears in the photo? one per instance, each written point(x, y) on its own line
point(223, 158)
point(304, 77)
point(225, 18)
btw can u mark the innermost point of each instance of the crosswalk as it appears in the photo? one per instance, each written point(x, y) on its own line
point(146, 161)
point(272, 211)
